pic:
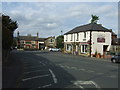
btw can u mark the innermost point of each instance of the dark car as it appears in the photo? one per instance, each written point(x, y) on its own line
point(115, 58)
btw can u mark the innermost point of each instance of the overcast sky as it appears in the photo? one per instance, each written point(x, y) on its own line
point(48, 19)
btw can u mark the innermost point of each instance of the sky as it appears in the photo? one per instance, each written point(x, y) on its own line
point(49, 18)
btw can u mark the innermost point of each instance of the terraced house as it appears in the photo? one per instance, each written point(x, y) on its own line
point(30, 42)
point(88, 40)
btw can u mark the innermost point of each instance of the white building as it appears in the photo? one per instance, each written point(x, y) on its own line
point(88, 40)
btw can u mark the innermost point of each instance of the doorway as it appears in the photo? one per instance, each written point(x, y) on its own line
point(105, 49)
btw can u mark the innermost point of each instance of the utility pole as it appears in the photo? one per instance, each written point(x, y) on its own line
point(90, 42)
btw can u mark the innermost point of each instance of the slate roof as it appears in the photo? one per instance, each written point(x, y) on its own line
point(28, 38)
point(114, 34)
point(33, 38)
point(88, 27)
point(41, 39)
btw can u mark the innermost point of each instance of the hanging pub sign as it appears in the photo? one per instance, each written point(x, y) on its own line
point(101, 39)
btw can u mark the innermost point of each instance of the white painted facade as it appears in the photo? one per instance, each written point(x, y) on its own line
point(82, 38)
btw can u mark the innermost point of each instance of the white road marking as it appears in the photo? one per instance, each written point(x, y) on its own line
point(62, 66)
point(68, 67)
point(35, 77)
point(53, 76)
point(80, 83)
point(77, 84)
point(82, 69)
point(33, 71)
point(97, 86)
point(45, 86)
point(73, 67)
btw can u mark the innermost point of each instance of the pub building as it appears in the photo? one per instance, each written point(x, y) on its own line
point(88, 40)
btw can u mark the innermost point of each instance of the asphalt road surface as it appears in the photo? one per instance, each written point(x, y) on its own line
point(58, 70)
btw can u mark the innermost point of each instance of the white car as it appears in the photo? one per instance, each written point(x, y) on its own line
point(54, 49)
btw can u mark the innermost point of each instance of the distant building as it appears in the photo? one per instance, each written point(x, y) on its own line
point(34, 42)
point(50, 42)
point(30, 42)
point(88, 40)
point(115, 45)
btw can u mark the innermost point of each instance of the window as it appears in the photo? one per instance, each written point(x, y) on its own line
point(68, 47)
point(22, 41)
point(33, 42)
point(77, 36)
point(84, 34)
point(84, 48)
point(66, 37)
point(51, 40)
point(28, 42)
point(71, 37)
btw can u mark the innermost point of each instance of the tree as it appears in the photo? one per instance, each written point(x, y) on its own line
point(94, 18)
point(60, 40)
point(8, 28)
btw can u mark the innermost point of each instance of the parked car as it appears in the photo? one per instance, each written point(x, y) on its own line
point(115, 58)
point(54, 49)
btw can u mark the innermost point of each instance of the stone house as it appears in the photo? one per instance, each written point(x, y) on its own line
point(50, 42)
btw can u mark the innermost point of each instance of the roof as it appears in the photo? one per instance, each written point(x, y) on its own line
point(41, 39)
point(34, 38)
point(50, 37)
point(114, 34)
point(88, 27)
point(28, 38)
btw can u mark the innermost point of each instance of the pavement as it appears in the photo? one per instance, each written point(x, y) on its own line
point(11, 72)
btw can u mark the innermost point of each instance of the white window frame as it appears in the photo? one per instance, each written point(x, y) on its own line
point(85, 47)
point(85, 34)
point(68, 47)
point(77, 37)
point(71, 37)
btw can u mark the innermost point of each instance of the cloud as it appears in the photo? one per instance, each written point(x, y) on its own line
point(51, 25)
point(50, 18)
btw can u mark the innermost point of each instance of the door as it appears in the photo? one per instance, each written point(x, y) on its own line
point(105, 49)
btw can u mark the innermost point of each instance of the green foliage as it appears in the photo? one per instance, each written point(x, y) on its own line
point(8, 27)
point(60, 41)
point(94, 18)
point(14, 42)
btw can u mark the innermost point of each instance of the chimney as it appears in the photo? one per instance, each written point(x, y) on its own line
point(18, 34)
point(110, 30)
point(37, 34)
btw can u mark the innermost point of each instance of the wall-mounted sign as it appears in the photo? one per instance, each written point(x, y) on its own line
point(101, 38)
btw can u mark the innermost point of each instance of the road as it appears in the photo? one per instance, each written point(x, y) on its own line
point(59, 70)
